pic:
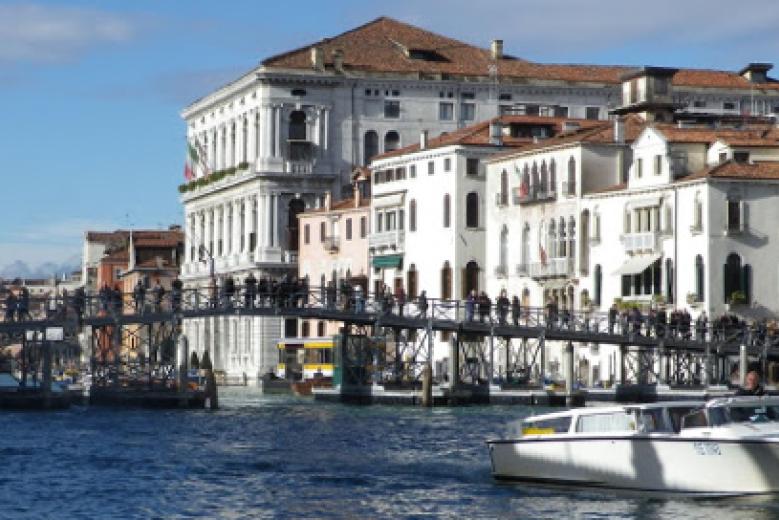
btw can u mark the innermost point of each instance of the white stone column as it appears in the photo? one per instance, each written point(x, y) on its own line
point(277, 132)
point(251, 140)
point(236, 234)
point(265, 131)
point(220, 150)
point(209, 229)
point(188, 237)
point(257, 226)
point(269, 220)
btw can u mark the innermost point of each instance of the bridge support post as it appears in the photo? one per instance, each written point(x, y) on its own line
point(46, 347)
point(621, 363)
point(454, 364)
point(569, 374)
point(662, 358)
point(491, 374)
point(427, 374)
point(743, 361)
point(542, 356)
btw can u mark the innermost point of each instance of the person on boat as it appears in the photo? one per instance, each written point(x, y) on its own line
point(752, 385)
point(515, 310)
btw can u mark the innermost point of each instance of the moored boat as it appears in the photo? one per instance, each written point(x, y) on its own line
point(726, 446)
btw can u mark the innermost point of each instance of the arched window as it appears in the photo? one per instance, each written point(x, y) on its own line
point(571, 176)
point(524, 185)
point(391, 141)
point(370, 146)
point(544, 178)
point(504, 248)
point(737, 279)
point(553, 175)
point(504, 188)
point(297, 126)
point(320, 329)
point(525, 247)
point(472, 210)
point(470, 278)
point(562, 239)
point(699, 278)
point(534, 176)
point(305, 329)
point(552, 240)
point(411, 281)
point(669, 280)
point(447, 211)
point(598, 282)
point(571, 237)
point(446, 281)
point(697, 218)
point(412, 215)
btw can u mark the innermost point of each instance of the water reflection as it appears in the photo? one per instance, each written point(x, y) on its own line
point(292, 458)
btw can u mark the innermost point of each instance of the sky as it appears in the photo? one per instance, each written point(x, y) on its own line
point(91, 91)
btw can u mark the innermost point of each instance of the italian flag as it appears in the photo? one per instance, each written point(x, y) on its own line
point(192, 159)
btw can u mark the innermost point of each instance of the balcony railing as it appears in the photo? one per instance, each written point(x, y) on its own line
point(332, 244)
point(392, 240)
point(569, 189)
point(637, 242)
point(552, 268)
point(533, 194)
point(521, 269)
point(501, 271)
point(300, 167)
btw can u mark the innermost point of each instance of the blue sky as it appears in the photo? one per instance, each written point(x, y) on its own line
point(91, 90)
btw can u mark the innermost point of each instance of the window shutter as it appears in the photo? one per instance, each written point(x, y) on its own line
point(742, 216)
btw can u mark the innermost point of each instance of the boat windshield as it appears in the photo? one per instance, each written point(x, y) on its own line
point(743, 414)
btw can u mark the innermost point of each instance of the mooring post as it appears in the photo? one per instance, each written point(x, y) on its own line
point(491, 374)
point(454, 363)
point(542, 354)
point(46, 346)
point(569, 374)
point(427, 373)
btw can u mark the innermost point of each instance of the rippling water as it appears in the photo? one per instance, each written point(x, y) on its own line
point(283, 457)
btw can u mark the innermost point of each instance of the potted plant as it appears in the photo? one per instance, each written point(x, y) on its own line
point(738, 298)
point(692, 299)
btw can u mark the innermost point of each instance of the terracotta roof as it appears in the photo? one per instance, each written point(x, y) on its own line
point(138, 234)
point(751, 135)
point(479, 134)
point(341, 205)
point(170, 241)
point(385, 45)
point(734, 170)
point(120, 255)
point(600, 132)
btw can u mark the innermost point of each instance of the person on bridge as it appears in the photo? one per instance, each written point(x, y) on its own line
point(10, 306)
point(422, 304)
point(229, 292)
point(516, 310)
point(661, 323)
point(117, 300)
point(250, 291)
point(139, 296)
point(613, 313)
point(177, 290)
point(400, 298)
point(752, 385)
point(23, 304)
point(359, 299)
point(470, 305)
point(331, 294)
point(502, 305)
point(701, 324)
point(159, 293)
point(485, 304)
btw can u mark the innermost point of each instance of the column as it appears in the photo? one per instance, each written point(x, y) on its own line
point(257, 225)
point(236, 235)
point(251, 139)
point(209, 219)
point(265, 131)
point(220, 159)
point(269, 219)
point(188, 237)
point(247, 215)
point(276, 226)
point(198, 234)
point(277, 131)
point(225, 229)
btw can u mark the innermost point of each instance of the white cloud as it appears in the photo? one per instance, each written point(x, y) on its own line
point(37, 33)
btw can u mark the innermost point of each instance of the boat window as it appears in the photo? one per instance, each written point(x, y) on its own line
point(753, 413)
point(696, 419)
point(607, 422)
point(717, 417)
point(547, 426)
point(652, 420)
point(676, 414)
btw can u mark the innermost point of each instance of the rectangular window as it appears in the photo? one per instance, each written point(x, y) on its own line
point(561, 111)
point(446, 111)
point(391, 109)
point(467, 111)
point(734, 215)
point(412, 171)
point(699, 103)
point(322, 231)
point(728, 105)
point(658, 164)
point(741, 157)
point(379, 221)
point(348, 229)
point(592, 113)
point(639, 167)
point(661, 86)
point(430, 167)
point(447, 164)
point(468, 95)
point(504, 96)
point(307, 234)
point(723, 156)
point(472, 166)
point(363, 227)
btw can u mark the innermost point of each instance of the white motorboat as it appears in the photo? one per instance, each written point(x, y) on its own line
point(726, 446)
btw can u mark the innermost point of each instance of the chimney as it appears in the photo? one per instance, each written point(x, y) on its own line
point(756, 72)
point(328, 201)
point(357, 194)
point(619, 130)
point(497, 49)
point(317, 58)
point(423, 139)
point(338, 60)
point(496, 133)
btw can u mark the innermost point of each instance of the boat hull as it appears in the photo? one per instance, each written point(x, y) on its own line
point(707, 466)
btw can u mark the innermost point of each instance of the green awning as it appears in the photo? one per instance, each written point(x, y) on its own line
point(388, 261)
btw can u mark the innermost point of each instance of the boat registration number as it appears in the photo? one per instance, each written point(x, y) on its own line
point(706, 448)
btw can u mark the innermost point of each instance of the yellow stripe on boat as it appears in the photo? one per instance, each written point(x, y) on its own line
point(537, 431)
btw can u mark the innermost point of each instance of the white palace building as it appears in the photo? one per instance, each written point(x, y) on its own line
point(276, 139)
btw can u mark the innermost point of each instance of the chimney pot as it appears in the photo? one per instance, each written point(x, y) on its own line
point(338, 60)
point(328, 201)
point(619, 130)
point(317, 58)
point(423, 139)
point(497, 49)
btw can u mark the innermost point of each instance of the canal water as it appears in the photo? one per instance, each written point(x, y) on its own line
point(285, 457)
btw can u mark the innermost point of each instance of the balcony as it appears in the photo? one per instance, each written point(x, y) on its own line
point(523, 195)
point(553, 268)
point(521, 269)
point(299, 167)
point(501, 271)
point(569, 189)
point(387, 241)
point(640, 242)
point(331, 244)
